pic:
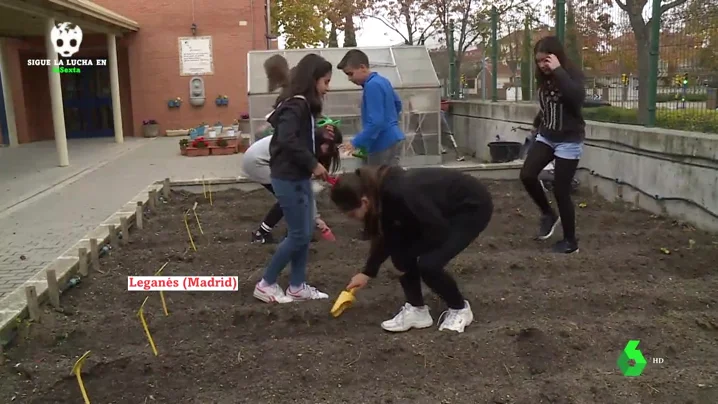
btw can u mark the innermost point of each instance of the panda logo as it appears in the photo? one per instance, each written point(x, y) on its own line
point(66, 38)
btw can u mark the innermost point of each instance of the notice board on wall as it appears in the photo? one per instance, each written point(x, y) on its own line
point(195, 56)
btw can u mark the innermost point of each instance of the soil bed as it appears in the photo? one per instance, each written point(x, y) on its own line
point(548, 328)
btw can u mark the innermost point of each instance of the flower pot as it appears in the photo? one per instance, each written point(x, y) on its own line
point(152, 130)
point(235, 127)
point(222, 151)
point(197, 151)
point(232, 142)
point(183, 151)
point(244, 126)
point(230, 132)
point(212, 133)
point(218, 129)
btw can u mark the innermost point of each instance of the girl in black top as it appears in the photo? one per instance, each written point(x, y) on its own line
point(421, 219)
point(560, 130)
point(292, 164)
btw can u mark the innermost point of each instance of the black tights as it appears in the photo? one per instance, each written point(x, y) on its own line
point(275, 213)
point(429, 266)
point(538, 157)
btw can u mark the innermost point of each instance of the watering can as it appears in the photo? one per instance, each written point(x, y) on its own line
point(361, 153)
point(344, 301)
point(327, 121)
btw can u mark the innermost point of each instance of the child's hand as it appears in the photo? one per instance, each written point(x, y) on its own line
point(358, 281)
point(348, 148)
point(553, 62)
point(321, 225)
point(329, 132)
point(320, 172)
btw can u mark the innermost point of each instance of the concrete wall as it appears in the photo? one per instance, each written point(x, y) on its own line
point(663, 171)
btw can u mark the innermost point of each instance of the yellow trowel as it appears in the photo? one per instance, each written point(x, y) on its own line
point(344, 301)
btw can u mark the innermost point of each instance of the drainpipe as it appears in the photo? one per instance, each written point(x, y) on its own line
point(269, 25)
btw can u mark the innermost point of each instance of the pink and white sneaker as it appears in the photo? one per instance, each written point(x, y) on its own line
point(271, 294)
point(306, 292)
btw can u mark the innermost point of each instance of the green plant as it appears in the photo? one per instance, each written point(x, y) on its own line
point(200, 143)
point(678, 96)
point(184, 143)
point(222, 142)
point(694, 120)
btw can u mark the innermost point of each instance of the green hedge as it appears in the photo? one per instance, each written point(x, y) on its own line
point(690, 120)
point(690, 97)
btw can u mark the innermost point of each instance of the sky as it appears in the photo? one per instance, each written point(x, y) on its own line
point(372, 33)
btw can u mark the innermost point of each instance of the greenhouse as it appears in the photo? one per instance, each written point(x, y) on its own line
point(409, 69)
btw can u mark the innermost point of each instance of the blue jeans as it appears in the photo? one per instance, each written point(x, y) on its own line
point(296, 200)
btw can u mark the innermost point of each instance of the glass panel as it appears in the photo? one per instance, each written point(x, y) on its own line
point(106, 121)
point(415, 67)
point(379, 57)
point(73, 119)
point(257, 79)
point(71, 89)
point(103, 80)
point(294, 56)
point(339, 79)
point(93, 116)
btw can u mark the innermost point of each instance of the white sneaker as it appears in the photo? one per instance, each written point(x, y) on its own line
point(457, 320)
point(270, 294)
point(306, 293)
point(409, 317)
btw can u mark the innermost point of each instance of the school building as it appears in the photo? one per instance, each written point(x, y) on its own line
point(130, 61)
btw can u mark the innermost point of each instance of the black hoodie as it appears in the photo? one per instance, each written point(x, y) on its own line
point(417, 206)
point(561, 99)
point(291, 149)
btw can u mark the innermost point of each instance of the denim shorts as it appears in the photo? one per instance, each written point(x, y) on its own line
point(563, 150)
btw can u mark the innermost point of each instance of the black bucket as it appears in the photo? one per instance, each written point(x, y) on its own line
point(503, 152)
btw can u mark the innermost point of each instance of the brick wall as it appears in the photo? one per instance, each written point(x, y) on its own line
point(151, 76)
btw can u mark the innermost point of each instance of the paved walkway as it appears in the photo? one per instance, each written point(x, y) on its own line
point(46, 209)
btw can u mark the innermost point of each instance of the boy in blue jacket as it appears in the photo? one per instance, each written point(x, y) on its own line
point(380, 137)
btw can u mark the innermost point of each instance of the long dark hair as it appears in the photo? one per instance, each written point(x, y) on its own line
point(551, 45)
point(277, 70)
point(303, 81)
point(332, 160)
point(363, 182)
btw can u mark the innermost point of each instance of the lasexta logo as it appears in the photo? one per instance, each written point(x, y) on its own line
point(66, 38)
point(631, 362)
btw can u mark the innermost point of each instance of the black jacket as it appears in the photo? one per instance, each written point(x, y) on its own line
point(291, 149)
point(561, 98)
point(416, 208)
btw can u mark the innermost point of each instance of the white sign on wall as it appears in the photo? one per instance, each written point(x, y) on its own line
point(195, 56)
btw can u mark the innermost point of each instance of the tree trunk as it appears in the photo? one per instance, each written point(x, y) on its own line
point(640, 30)
point(644, 67)
point(333, 41)
point(350, 39)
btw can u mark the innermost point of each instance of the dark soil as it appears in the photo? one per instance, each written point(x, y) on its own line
point(548, 328)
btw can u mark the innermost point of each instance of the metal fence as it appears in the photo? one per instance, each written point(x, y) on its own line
point(663, 75)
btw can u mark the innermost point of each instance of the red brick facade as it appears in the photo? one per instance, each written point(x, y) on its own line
point(149, 65)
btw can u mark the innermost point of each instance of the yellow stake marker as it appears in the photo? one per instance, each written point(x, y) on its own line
point(209, 189)
point(194, 210)
point(189, 233)
point(204, 190)
point(77, 371)
point(162, 293)
point(141, 314)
